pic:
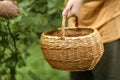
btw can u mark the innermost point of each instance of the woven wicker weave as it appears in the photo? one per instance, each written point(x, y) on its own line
point(80, 50)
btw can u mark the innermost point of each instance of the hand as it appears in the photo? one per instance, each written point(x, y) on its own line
point(8, 9)
point(72, 8)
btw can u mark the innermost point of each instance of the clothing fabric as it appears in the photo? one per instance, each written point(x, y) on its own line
point(108, 67)
point(103, 15)
point(85, 75)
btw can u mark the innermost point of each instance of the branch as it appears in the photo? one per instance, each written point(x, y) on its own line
point(14, 40)
point(15, 55)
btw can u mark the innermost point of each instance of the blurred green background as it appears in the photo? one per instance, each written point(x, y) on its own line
point(36, 16)
point(38, 69)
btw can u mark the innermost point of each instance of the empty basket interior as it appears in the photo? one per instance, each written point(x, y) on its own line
point(71, 32)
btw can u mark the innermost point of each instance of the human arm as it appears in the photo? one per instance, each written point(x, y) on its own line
point(8, 9)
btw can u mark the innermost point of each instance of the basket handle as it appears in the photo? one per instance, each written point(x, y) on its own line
point(64, 19)
point(63, 27)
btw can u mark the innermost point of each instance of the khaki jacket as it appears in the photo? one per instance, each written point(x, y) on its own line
point(103, 15)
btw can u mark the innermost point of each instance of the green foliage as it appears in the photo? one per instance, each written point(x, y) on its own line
point(20, 55)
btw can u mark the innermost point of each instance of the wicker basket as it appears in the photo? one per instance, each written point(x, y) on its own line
point(79, 49)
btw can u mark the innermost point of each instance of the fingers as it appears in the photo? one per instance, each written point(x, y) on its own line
point(66, 11)
point(69, 11)
point(72, 8)
point(72, 12)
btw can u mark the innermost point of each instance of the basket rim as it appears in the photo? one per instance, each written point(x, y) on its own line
point(66, 28)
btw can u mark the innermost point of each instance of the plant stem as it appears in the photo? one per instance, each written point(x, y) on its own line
point(15, 55)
